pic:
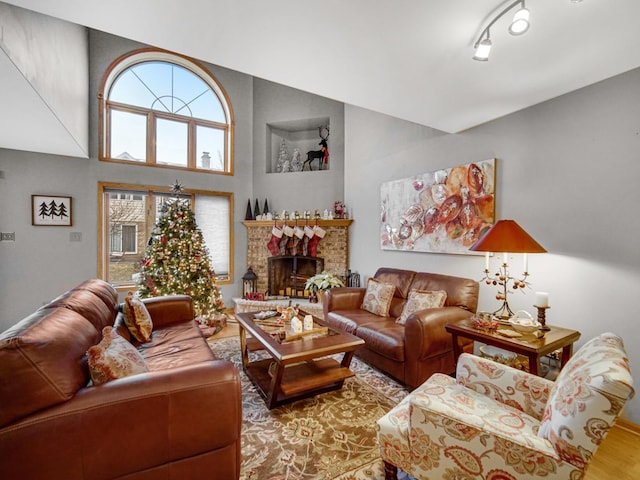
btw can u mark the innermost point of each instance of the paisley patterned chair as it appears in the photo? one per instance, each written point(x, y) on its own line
point(494, 422)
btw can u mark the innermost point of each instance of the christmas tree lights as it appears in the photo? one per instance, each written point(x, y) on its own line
point(177, 260)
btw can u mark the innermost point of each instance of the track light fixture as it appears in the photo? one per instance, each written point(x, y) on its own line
point(518, 26)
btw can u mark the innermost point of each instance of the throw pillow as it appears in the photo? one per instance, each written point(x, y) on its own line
point(378, 296)
point(137, 318)
point(113, 358)
point(421, 300)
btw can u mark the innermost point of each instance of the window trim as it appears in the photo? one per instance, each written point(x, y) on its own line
point(126, 61)
point(103, 230)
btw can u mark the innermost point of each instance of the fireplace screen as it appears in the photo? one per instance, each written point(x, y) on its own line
point(288, 274)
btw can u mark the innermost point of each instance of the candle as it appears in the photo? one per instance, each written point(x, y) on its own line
point(542, 299)
point(486, 260)
point(524, 261)
point(505, 257)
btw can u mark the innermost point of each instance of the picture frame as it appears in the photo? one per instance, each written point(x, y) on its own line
point(443, 211)
point(51, 211)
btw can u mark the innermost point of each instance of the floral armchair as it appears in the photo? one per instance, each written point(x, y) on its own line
point(496, 422)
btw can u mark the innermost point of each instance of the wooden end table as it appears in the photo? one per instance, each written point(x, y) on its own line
point(295, 369)
point(527, 345)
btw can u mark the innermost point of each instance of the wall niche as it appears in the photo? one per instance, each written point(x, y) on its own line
point(289, 142)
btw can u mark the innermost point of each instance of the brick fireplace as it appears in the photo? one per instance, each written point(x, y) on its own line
point(279, 272)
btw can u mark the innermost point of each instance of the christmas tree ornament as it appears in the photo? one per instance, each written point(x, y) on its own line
point(256, 210)
point(265, 209)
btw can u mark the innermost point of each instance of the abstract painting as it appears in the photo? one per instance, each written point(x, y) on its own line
point(443, 211)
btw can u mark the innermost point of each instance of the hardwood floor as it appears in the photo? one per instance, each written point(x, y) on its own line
point(619, 455)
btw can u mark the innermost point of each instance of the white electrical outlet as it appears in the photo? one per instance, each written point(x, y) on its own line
point(75, 236)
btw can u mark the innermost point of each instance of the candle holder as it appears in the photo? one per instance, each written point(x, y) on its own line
point(542, 318)
point(501, 279)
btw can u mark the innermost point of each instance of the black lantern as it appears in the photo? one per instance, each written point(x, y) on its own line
point(249, 284)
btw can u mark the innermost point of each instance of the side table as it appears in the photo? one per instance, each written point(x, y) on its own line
point(527, 345)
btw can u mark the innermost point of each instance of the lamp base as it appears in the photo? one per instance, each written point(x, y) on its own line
point(504, 312)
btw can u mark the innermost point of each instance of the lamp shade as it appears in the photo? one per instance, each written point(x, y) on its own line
point(520, 22)
point(482, 50)
point(507, 236)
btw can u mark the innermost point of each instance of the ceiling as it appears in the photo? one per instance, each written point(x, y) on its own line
point(408, 59)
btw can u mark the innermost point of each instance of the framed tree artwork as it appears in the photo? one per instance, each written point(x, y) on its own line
point(444, 211)
point(51, 210)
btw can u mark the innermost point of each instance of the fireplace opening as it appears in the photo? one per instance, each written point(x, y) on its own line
point(289, 273)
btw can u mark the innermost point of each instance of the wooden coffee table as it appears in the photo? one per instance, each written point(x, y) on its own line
point(528, 345)
point(298, 368)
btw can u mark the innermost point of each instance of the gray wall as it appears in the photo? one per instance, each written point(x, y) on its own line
point(308, 190)
point(567, 172)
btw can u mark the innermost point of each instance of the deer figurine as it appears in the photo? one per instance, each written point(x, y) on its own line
point(323, 154)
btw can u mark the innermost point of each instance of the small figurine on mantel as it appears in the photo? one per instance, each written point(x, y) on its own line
point(339, 209)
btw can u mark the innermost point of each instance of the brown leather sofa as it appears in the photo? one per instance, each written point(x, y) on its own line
point(414, 351)
point(180, 420)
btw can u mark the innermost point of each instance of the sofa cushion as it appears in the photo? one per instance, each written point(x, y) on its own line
point(402, 279)
point(137, 318)
point(377, 298)
point(114, 357)
point(461, 292)
point(175, 346)
point(421, 300)
point(385, 338)
point(42, 356)
point(87, 304)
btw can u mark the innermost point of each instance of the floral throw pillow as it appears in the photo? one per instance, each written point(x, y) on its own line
point(113, 358)
point(137, 318)
point(421, 300)
point(378, 296)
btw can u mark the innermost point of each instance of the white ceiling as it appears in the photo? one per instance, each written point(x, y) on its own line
point(410, 59)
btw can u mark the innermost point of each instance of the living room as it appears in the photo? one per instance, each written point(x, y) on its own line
point(566, 171)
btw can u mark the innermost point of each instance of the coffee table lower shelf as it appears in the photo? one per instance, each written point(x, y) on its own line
point(297, 381)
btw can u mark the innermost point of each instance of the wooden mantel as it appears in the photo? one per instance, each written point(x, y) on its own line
point(301, 221)
point(333, 248)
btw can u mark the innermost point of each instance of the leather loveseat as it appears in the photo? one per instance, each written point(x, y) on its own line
point(179, 420)
point(421, 347)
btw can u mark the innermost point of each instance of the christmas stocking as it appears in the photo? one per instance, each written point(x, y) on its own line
point(318, 234)
point(274, 243)
point(298, 235)
point(308, 235)
point(284, 241)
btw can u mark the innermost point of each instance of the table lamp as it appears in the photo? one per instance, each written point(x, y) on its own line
point(505, 237)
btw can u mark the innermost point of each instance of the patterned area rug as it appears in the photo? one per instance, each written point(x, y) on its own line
point(329, 436)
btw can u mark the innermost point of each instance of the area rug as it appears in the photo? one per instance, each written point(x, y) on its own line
point(328, 436)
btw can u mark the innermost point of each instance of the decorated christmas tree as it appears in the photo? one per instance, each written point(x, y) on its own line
point(177, 260)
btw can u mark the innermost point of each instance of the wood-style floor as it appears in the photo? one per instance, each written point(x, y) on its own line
point(618, 457)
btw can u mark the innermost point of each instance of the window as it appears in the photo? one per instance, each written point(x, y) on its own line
point(123, 239)
point(128, 214)
point(165, 110)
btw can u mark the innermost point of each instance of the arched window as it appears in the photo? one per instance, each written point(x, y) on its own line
point(158, 108)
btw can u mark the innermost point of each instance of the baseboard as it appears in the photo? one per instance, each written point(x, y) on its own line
point(628, 425)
